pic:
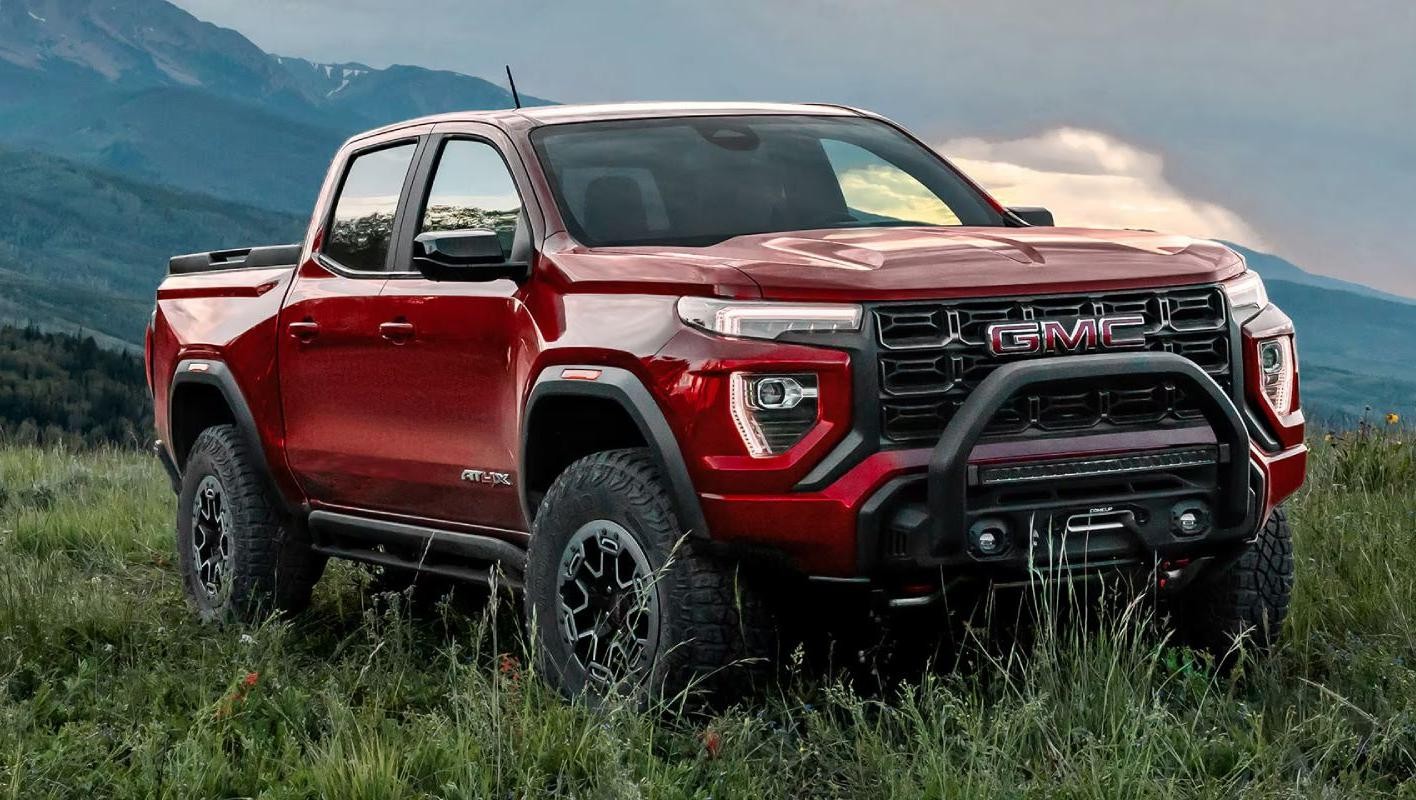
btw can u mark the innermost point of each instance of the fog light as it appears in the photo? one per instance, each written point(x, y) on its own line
point(778, 393)
point(988, 542)
point(773, 412)
point(989, 537)
point(1190, 518)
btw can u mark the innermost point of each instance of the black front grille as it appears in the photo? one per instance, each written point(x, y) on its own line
point(933, 355)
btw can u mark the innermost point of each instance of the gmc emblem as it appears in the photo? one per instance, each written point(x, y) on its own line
point(1066, 336)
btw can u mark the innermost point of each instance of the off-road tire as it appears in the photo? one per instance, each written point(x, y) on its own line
point(1247, 599)
point(714, 631)
point(270, 566)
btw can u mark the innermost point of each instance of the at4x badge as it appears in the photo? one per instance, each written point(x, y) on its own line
point(1066, 336)
point(486, 476)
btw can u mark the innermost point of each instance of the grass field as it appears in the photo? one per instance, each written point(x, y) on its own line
point(109, 688)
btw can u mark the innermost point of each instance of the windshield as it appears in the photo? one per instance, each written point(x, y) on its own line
point(695, 181)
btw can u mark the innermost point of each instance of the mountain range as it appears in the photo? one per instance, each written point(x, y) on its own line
point(143, 88)
point(131, 130)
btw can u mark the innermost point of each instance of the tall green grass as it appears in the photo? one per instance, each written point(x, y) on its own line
point(109, 688)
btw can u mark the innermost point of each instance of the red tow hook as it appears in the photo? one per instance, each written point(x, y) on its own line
point(917, 595)
point(1170, 571)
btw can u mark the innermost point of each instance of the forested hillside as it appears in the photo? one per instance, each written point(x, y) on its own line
point(83, 248)
point(57, 388)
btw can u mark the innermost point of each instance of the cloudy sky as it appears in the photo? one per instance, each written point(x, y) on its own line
point(1289, 125)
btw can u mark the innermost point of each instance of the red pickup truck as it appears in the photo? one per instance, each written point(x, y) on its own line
point(649, 361)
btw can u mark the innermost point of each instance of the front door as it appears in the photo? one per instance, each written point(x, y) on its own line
point(332, 356)
point(457, 437)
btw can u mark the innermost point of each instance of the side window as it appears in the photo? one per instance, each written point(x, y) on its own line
point(363, 213)
point(472, 190)
point(878, 191)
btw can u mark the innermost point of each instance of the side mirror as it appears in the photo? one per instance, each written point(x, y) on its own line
point(463, 255)
point(1033, 215)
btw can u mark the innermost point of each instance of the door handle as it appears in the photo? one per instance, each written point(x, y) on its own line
point(304, 331)
point(396, 332)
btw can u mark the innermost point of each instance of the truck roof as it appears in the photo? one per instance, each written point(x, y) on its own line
point(536, 116)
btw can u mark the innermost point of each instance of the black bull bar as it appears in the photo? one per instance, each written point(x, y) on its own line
point(950, 476)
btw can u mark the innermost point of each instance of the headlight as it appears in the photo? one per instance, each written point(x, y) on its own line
point(756, 319)
point(1276, 371)
point(773, 412)
point(1246, 295)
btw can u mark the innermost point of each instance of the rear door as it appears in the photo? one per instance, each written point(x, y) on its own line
point(334, 362)
point(456, 375)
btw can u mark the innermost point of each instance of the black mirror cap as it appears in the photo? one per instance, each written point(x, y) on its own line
point(1033, 215)
point(463, 255)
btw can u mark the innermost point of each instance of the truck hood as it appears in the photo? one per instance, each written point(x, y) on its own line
point(932, 262)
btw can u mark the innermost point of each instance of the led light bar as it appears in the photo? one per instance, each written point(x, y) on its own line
point(1092, 467)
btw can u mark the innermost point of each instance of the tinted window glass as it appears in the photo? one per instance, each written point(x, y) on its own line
point(876, 189)
point(363, 214)
point(472, 190)
point(695, 181)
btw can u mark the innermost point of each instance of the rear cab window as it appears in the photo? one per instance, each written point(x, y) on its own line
point(361, 226)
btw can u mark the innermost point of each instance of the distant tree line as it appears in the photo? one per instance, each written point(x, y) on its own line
point(57, 388)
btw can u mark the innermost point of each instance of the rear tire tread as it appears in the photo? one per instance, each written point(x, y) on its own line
point(273, 568)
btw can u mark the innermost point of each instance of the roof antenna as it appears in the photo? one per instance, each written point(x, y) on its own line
point(514, 96)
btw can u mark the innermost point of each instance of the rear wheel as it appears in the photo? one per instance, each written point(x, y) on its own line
point(621, 601)
point(239, 557)
point(1247, 600)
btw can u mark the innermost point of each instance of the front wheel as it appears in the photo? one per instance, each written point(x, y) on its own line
point(239, 556)
point(621, 601)
point(1247, 601)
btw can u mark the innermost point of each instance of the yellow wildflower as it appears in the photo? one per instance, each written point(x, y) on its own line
point(1392, 418)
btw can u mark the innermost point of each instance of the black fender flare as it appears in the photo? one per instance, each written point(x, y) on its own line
point(210, 372)
point(626, 390)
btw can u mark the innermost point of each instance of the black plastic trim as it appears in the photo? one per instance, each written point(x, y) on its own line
point(390, 561)
point(215, 373)
point(872, 521)
point(621, 386)
point(168, 466)
point(279, 255)
point(948, 468)
point(864, 436)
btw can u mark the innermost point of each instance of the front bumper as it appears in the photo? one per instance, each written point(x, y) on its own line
point(1088, 501)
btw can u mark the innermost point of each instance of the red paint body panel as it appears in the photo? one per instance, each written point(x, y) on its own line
point(453, 390)
point(355, 419)
point(817, 530)
point(935, 263)
point(335, 410)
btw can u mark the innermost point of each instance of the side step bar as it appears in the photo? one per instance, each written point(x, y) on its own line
point(469, 574)
point(355, 538)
